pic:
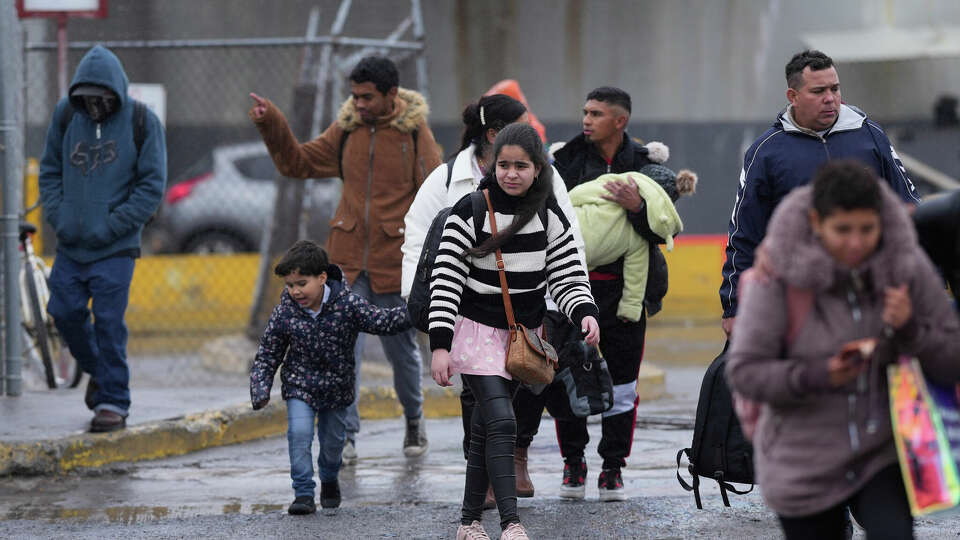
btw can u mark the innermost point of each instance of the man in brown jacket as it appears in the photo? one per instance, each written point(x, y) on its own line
point(383, 149)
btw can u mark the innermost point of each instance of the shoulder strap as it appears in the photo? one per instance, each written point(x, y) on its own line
point(799, 304)
point(450, 163)
point(139, 124)
point(343, 142)
point(479, 210)
point(799, 301)
point(507, 305)
point(66, 118)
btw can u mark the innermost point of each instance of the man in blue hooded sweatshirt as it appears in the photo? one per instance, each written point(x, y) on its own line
point(98, 188)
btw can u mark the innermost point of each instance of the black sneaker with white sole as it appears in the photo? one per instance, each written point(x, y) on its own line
point(574, 480)
point(610, 485)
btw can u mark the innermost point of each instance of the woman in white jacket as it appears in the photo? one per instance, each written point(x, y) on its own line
point(482, 121)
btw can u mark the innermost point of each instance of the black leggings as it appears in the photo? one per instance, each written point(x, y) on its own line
point(881, 508)
point(493, 434)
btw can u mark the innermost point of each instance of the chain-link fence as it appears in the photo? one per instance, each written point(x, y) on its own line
point(193, 289)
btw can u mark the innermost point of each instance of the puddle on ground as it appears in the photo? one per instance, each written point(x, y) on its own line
point(129, 515)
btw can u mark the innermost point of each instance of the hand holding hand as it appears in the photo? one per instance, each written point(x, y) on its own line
point(257, 405)
point(440, 367)
point(591, 330)
point(897, 307)
point(625, 194)
point(259, 107)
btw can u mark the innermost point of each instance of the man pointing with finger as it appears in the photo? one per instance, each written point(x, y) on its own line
point(383, 149)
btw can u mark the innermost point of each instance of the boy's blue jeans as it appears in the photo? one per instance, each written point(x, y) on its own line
point(401, 351)
point(100, 347)
point(331, 431)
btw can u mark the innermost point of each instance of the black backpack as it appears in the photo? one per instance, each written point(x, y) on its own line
point(418, 304)
point(719, 450)
point(139, 122)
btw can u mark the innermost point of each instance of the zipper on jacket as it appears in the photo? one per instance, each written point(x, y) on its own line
point(857, 314)
point(366, 247)
point(98, 131)
point(825, 147)
point(851, 422)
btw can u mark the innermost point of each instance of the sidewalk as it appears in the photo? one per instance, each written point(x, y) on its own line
point(184, 404)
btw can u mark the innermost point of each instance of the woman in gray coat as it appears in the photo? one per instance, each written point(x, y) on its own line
point(823, 439)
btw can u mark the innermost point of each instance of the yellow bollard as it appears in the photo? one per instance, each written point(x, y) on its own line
point(31, 196)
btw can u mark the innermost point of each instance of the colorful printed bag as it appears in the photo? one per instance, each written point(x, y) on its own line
point(926, 428)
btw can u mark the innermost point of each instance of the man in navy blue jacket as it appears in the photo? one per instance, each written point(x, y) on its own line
point(98, 189)
point(814, 128)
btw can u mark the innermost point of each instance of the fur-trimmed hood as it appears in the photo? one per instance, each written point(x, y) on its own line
point(800, 259)
point(410, 110)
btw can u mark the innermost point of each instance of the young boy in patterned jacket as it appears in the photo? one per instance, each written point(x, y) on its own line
point(312, 332)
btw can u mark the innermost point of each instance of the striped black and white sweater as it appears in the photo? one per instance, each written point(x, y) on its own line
point(536, 260)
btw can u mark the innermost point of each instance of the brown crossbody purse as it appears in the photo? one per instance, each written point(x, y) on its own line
point(530, 358)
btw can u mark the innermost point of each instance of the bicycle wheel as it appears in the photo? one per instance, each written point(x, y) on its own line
point(65, 367)
point(40, 334)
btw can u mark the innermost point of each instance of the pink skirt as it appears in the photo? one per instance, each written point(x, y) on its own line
point(479, 349)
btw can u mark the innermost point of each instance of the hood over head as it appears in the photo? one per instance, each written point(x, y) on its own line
point(102, 68)
point(799, 258)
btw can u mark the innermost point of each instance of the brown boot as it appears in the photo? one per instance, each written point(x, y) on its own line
point(489, 501)
point(524, 485)
point(105, 421)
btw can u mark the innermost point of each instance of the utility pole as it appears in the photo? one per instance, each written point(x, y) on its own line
point(11, 150)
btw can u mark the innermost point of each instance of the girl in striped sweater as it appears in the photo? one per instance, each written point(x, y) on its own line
point(468, 325)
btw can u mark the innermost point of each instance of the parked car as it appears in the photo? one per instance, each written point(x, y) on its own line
point(226, 202)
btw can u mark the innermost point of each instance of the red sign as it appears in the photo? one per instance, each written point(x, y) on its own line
point(92, 9)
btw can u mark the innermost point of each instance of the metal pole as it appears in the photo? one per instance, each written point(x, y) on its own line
point(11, 129)
point(62, 55)
point(421, 58)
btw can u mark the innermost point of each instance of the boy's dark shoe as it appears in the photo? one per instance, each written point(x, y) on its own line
point(105, 421)
point(574, 476)
point(610, 485)
point(302, 505)
point(330, 494)
point(92, 388)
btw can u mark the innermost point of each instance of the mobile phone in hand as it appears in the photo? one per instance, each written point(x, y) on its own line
point(859, 351)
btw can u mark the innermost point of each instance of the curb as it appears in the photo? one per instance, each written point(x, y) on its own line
point(231, 425)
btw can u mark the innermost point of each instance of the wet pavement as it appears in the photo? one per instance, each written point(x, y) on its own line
point(243, 490)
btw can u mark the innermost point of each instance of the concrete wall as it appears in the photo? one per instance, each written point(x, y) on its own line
point(683, 60)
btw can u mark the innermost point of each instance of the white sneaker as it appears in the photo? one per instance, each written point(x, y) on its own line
point(349, 455)
point(473, 531)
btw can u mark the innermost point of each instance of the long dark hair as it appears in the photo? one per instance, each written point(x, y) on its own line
point(529, 140)
point(498, 111)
